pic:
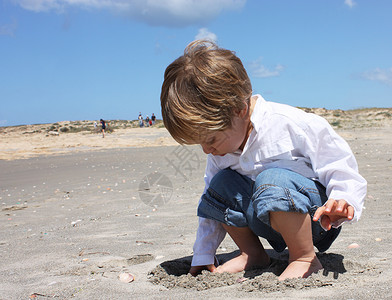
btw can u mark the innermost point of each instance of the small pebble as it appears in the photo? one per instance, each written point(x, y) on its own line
point(378, 239)
point(126, 277)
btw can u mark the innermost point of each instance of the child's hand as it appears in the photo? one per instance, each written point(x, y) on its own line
point(333, 211)
point(195, 270)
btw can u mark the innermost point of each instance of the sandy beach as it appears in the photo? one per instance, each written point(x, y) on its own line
point(37, 140)
point(77, 211)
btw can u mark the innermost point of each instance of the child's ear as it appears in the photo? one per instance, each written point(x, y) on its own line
point(242, 113)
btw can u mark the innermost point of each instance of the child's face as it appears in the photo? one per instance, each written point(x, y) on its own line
point(229, 140)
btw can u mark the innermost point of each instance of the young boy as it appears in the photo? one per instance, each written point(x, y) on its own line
point(273, 171)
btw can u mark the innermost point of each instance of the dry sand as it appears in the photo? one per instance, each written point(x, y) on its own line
point(35, 140)
point(73, 221)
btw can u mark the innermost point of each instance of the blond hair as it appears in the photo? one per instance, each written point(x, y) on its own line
point(202, 90)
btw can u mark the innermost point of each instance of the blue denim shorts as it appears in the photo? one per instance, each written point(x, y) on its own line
point(236, 200)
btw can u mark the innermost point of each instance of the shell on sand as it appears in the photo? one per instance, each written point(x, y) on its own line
point(353, 246)
point(126, 277)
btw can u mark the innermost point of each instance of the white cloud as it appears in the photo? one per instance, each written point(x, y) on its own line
point(39, 5)
point(260, 71)
point(205, 34)
point(380, 75)
point(173, 13)
point(350, 3)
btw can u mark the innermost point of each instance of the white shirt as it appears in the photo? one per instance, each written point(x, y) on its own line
point(285, 137)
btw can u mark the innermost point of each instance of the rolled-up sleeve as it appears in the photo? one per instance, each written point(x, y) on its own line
point(334, 164)
point(210, 233)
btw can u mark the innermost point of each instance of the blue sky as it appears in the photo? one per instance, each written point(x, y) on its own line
point(91, 59)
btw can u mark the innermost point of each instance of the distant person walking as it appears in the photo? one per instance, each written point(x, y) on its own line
point(103, 124)
point(153, 119)
point(140, 118)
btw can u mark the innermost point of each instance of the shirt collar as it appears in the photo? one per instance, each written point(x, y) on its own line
point(258, 111)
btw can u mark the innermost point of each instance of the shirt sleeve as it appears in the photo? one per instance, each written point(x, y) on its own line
point(210, 233)
point(335, 165)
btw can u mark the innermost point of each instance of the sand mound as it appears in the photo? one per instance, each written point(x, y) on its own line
point(173, 274)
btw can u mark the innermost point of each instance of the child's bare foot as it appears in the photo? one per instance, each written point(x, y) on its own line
point(244, 262)
point(252, 253)
point(301, 267)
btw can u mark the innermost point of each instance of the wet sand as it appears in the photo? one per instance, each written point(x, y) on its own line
point(71, 223)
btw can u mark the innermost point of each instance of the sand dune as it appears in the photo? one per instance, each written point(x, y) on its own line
point(79, 136)
point(34, 140)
